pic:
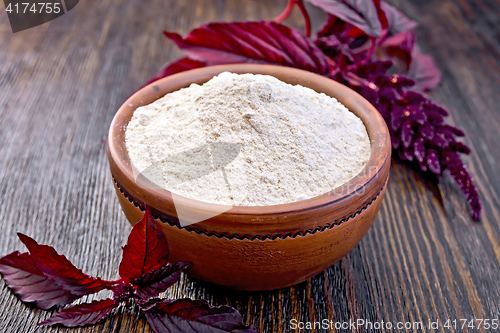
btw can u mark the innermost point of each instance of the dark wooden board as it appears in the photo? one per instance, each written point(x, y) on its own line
point(423, 259)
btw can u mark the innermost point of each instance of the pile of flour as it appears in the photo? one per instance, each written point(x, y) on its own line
point(247, 140)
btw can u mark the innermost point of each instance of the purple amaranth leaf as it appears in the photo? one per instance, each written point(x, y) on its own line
point(418, 66)
point(267, 42)
point(419, 117)
point(146, 249)
point(374, 70)
point(407, 133)
point(460, 147)
point(397, 81)
point(453, 130)
point(419, 149)
point(429, 106)
point(434, 117)
point(424, 71)
point(332, 26)
point(383, 108)
point(26, 280)
point(157, 281)
point(175, 67)
point(395, 139)
point(46, 278)
point(388, 93)
point(195, 316)
point(362, 14)
point(371, 93)
point(460, 174)
point(404, 40)
point(433, 162)
point(423, 165)
point(400, 47)
point(440, 141)
point(368, 89)
point(397, 22)
point(123, 292)
point(397, 116)
point(332, 43)
point(406, 154)
point(427, 131)
point(82, 314)
point(61, 270)
point(356, 80)
point(413, 98)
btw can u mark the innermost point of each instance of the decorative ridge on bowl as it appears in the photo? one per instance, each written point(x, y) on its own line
point(192, 228)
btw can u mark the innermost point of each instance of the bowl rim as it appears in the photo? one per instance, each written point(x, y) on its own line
point(373, 121)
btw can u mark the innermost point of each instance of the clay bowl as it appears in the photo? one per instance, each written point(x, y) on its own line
point(257, 248)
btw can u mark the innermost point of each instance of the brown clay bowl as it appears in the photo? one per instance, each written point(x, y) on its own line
point(258, 248)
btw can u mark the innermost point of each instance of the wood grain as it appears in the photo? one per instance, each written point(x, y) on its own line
point(423, 259)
